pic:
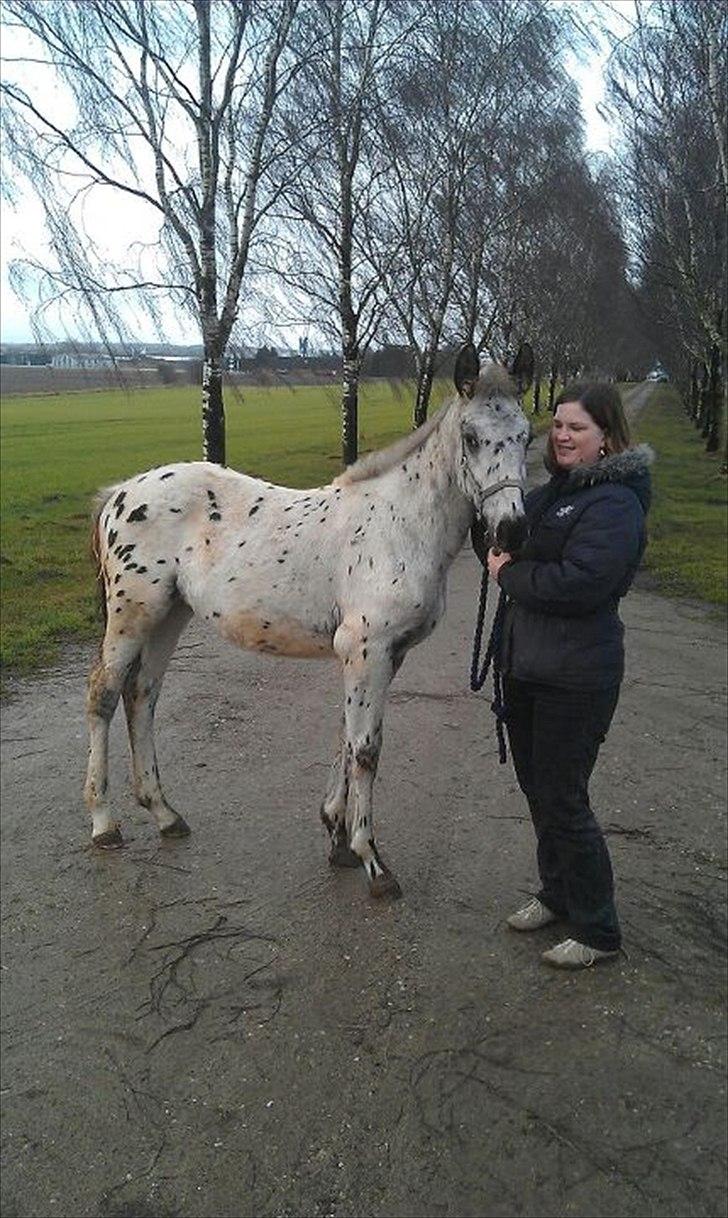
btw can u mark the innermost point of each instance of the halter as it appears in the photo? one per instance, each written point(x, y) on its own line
point(514, 483)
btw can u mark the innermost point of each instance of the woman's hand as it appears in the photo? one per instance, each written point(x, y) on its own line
point(496, 560)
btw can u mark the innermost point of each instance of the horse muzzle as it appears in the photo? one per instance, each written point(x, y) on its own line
point(508, 533)
point(511, 533)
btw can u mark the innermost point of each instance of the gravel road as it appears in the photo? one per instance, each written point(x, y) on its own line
point(223, 1026)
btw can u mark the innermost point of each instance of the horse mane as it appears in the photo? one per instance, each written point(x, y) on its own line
point(494, 378)
point(376, 463)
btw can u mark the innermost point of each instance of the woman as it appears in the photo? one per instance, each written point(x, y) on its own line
point(562, 656)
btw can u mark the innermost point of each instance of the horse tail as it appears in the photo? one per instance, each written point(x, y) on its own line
point(100, 500)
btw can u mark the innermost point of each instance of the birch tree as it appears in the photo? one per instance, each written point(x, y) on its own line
point(668, 77)
point(479, 83)
point(331, 255)
point(171, 106)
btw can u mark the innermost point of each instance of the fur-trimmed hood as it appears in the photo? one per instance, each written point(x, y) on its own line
point(630, 468)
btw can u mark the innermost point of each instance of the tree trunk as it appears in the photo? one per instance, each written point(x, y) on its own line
point(703, 400)
point(708, 402)
point(350, 407)
point(536, 389)
point(552, 385)
point(693, 400)
point(700, 374)
point(213, 411)
point(424, 387)
point(712, 428)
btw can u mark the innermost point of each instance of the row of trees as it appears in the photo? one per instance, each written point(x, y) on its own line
point(385, 172)
point(668, 86)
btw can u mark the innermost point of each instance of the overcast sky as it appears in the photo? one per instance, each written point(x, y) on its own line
point(22, 229)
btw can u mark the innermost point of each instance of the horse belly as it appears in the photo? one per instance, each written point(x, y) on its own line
point(284, 636)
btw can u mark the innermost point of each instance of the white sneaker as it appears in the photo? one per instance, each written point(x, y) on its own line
point(571, 954)
point(532, 917)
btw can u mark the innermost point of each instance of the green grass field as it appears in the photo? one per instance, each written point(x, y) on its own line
point(688, 523)
point(57, 451)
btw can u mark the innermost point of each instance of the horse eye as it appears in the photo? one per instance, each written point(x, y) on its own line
point(472, 441)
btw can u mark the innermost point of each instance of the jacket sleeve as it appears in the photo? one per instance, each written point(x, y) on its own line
point(604, 544)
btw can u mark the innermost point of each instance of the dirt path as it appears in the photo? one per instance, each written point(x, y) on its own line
point(223, 1026)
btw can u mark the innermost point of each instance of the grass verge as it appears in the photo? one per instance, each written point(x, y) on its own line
point(688, 522)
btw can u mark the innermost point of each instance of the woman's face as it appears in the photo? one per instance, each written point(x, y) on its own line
point(576, 438)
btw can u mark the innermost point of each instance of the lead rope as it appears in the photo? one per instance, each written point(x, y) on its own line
point(477, 674)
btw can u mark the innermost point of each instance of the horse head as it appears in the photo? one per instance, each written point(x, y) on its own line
point(494, 435)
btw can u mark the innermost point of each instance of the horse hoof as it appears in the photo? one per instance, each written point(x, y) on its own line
point(178, 828)
point(385, 885)
point(110, 840)
point(343, 856)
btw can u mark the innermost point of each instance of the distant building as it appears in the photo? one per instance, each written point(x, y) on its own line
point(25, 359)
point(82, 359)
point(237, 356)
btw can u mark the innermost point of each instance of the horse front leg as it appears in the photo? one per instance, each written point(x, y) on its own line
point(368, 671)
point(333, 808)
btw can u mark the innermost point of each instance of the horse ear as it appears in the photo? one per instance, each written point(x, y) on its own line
point(522, 366)
point(467, 370)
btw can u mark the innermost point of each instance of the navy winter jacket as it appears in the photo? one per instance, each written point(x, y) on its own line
point(586, 538)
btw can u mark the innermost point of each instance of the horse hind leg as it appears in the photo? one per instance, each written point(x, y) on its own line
point(141, 691)
point(116, 658)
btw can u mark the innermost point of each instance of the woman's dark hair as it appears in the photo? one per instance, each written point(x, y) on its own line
point(603, 402)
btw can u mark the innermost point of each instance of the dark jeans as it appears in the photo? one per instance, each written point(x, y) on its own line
point(555, 736)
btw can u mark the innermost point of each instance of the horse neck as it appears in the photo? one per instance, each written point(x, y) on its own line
point(446, 458)
point(453, 511)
